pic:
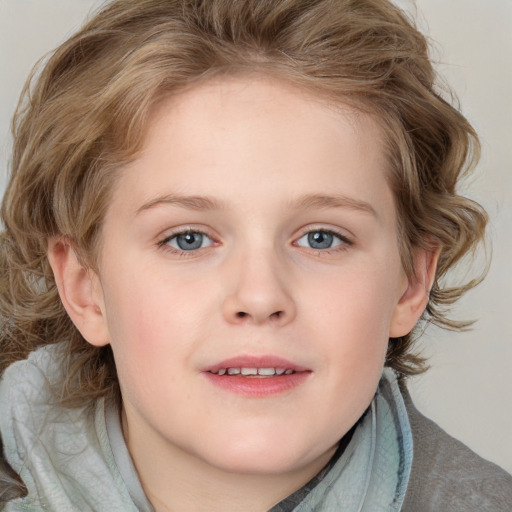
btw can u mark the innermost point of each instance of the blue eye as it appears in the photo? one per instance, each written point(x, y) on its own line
point(189, 241)
point(320, 239)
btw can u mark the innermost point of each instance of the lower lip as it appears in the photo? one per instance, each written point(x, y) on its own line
point(257, 386)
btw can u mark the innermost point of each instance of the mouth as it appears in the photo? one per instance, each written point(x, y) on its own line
point(254, 372)
point(257, 376)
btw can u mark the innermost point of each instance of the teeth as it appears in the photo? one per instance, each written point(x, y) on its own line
point(264, 372)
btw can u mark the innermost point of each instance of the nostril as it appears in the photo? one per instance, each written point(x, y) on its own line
point(276, 315)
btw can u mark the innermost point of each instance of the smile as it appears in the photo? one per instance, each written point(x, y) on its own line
point(257, 376)
point(254, 372)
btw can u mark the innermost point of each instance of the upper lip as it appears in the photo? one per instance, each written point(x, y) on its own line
point(253, 361)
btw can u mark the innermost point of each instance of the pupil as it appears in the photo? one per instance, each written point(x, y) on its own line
point(189, 241)
point(320, 240)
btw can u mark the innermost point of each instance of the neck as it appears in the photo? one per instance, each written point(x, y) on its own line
point(220, 492)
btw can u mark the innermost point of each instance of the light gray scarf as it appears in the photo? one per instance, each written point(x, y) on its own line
point(75, 460)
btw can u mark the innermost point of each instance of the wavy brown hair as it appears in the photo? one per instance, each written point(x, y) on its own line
point(83, 113)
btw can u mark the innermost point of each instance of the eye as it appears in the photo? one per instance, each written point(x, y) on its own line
point(321, 239)
point(188, 241)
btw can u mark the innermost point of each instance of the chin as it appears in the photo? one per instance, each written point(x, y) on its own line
point(261, 457)
point(248, 464)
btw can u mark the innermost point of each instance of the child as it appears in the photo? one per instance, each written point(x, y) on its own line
point(224, 221)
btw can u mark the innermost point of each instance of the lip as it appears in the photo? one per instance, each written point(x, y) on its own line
point(250, 361)
point(257, 386)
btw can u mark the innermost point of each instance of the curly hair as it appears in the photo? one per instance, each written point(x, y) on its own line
point(83, 114)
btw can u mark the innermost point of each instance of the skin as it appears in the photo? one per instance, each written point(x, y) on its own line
point(276, 165)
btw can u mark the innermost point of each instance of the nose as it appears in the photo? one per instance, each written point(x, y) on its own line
point(257, 291)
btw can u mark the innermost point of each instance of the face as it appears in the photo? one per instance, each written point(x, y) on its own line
point(250, 276)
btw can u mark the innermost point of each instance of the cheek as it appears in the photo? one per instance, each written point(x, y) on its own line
point(139, 319)
point(155, 321)
point(351, 320)
point(144, 304)
point(146, 352)
point(355, 300)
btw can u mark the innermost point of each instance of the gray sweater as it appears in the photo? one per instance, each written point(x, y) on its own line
point(447, 476)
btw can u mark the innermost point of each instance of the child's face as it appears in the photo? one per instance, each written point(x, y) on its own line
point(256, 230)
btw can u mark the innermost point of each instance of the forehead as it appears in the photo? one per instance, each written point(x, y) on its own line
point(245, 138)
point(264, 107)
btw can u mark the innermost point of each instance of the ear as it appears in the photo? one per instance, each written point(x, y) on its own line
point(80, 291)
point(414, 299)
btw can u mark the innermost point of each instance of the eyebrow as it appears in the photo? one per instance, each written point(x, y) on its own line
point(198, 203)
point(312, 201)
point(306, 202)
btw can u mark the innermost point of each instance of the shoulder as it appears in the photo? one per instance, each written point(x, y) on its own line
point(447, 475)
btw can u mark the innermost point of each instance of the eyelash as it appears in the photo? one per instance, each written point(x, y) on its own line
point(164, 244)
point(344, 244)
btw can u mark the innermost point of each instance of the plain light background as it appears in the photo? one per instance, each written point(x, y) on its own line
point(468, 390)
